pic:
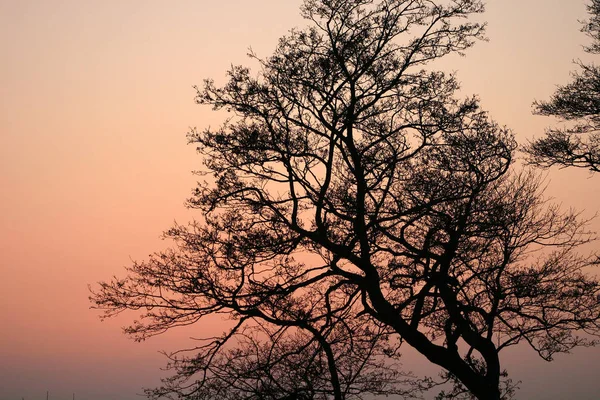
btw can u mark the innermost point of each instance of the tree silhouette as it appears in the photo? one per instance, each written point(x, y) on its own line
point(577, 101)
point(352, 204)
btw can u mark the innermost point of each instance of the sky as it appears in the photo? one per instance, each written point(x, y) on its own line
point(95, 100)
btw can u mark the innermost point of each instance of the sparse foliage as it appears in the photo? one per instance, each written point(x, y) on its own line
point(577, 102)
point(353, 204)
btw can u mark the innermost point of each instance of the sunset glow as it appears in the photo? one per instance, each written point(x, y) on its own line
point(96, 100)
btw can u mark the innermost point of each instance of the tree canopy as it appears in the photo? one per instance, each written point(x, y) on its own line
point(577, 102)
point(351, 205)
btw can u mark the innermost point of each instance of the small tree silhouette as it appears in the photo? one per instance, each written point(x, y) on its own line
point(352, 204)
point(578, 101)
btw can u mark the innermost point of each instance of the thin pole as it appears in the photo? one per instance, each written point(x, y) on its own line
point(47, 395)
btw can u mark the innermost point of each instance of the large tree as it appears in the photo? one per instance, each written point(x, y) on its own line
point(577, 103)
point(351, 205)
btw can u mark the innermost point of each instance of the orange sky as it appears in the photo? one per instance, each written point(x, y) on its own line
point(95, 101)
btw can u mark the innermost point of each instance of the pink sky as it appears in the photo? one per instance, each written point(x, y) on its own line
point(96, 98)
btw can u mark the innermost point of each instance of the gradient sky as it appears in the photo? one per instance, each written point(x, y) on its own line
point(95, 101)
